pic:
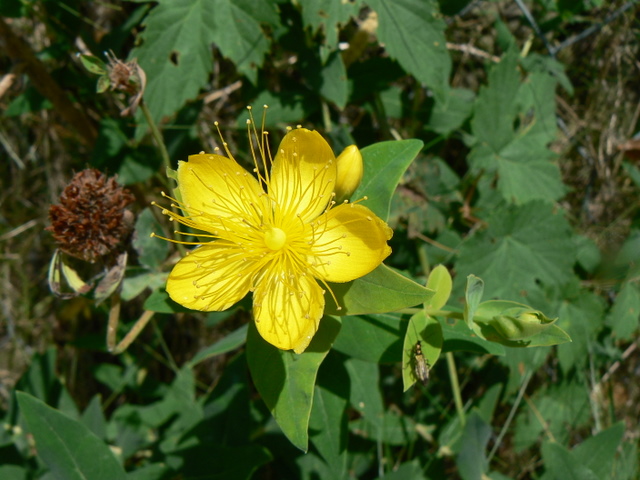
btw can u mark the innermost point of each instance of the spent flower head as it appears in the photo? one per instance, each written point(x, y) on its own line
point(91, 220)
point(278, 234)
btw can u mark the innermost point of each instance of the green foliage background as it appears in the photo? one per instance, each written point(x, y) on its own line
point(503, 125)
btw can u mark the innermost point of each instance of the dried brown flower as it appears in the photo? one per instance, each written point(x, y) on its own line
point(91, 220)
point(129, 78)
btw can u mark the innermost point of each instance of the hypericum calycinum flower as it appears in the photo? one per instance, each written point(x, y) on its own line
point(273, 235)
point(91, 220)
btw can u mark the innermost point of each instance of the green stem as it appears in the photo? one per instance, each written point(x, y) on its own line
point(157, 136)
point(455, 387)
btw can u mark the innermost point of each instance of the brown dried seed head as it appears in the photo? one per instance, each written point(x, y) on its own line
point(91, 220)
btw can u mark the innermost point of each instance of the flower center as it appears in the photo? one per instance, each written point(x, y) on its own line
point(275, 238)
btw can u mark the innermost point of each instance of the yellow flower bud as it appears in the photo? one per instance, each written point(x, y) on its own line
point(350, 170)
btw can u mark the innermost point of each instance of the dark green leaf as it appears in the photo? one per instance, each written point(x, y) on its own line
point(68, 448)
point(373, 338)
point(413, 33)
point(560, 463)
point(152, 252)
point(472, 459)
point(286, 380)
point(521, 246)
point(226, 344)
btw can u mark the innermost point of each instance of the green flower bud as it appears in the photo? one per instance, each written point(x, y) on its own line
point(350, 170)
point(520, 324)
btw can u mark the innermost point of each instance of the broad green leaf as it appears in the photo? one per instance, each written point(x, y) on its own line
point(334, 85)
point(625, 313)
point(428, 331)
point(496, 107)
point(328, 17)
point(473, 295)
point(520, 159)
point(226, 344)
point(286, 380)
point(66, 446)
point(521, 246)
point(152, 252)
point(413, 33)
point(13, 472)
point(458, 336)
point(472, 459)
point(373, 338)
point(382, 290)
point(599, 451)
point(440, 282)
point(176, 46)
point(384, 165)
point(560, 463)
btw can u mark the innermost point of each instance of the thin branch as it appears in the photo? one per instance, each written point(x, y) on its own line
point(534, 25)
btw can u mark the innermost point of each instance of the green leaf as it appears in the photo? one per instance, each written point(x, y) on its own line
point(328, 422)
point(472, 460)
point(384, 165)
point(176, 46)
point(152, 252)
point(599, 451)
point(405, 471)
point(373, 338)
point(520, 159)
point(440, 282)
point(413, 33)
point(428, 331)
point(364, 392)
point(473, 295)
point(93, 64)
point(226, 344)
point(160, 302)
point(382, 290)
point(521, 246)
point(334, 85)
point(286, 380)
point(450, 113)
point(562, 464)
point(625, 313)
point(66, 446)
point(328, 17)
point(93, 418)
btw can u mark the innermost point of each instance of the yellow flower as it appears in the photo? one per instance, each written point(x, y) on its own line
point(350, 171)
point(273, 235)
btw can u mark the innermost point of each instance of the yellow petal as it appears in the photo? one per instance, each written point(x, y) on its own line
point(212, 277)
point(214, 186)
point(349, 242)
point(287, 310)
point(303, 174)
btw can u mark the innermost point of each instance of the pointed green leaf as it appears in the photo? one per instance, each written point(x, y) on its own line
point(382, 290)
point(384, 165)
point(286, 380)
point(413, 33)
point(625, 313)
point(334, 85)
point(599, 451)
point(66, 446)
